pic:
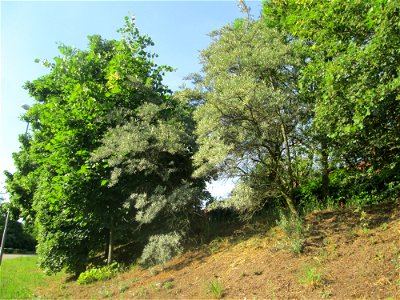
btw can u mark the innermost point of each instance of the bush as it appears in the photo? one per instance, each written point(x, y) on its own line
point(160, 249)
point(351, 186)
point(98, 274)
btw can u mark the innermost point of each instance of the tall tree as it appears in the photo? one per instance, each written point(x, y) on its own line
point(249, 121)
point(353, 53)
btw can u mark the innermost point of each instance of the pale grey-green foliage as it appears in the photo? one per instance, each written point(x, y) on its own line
point(250, 114)
point(148, 206)
point(149, 156)
point(135, 146)
point(161, 248)
point(249, 98)
point(246, 199)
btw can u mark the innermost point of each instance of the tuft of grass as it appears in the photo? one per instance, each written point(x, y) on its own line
point(123, 288)
point(326, 294)
point(216, 289)
point(294, 228)
point(142, 292)
point(168, 285)
point(311, 277)
point(20, 277)
point(384, 227)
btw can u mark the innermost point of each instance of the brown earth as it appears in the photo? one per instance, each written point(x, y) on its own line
point(348, 253)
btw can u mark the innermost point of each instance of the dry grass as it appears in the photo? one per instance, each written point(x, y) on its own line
point(342, 265)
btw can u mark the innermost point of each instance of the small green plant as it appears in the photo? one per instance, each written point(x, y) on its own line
point(106, 293)
point(326, 294)
point(123, 288)
point(311, 278)
point(384, 227)
point(216, 289)
point(297, 245)
point(294, 228)
point(155, 286)
point(168, 285)
point(216, 245)
point(98, 274)
point(141, 293)
point(364, 219)
point(380, 256)
point(396, 263)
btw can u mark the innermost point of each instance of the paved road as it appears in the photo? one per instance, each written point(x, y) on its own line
point(9, 256)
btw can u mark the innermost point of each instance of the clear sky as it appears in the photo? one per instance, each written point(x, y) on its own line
point(32, 29)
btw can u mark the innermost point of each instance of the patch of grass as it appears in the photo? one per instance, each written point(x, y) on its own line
point(364, 222)
point(311, 277)
point(270, 289)
point(384, 226)
point(20, 277)
point(396, 263)
point(326, 294)
point(217, 244)
point(155, 286)
point(168, 285)
point(123, 288)
point(105, 292)
point(141, 293)
point(216, 289)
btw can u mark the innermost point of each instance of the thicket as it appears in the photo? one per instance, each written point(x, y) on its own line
point(301, 106)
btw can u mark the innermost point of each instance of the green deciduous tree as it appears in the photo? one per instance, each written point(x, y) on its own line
point(111, 151)
point(351, 74)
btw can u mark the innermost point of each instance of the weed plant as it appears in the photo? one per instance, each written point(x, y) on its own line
point(168, 285)
point(216, 289)
point(294, 228)
point(98, 274)
point(311, 277)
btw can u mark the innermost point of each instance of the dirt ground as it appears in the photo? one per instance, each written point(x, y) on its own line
point(348, 254)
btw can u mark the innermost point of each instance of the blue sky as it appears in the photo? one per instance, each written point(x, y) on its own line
point(32, 29)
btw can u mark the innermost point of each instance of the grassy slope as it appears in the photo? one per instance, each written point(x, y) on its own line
point(348, 254)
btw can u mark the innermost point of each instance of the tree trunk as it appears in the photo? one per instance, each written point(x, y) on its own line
point(290, 203)
point(325, 169)
point(288, 158)
point(291, 184)
point(111, 243)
